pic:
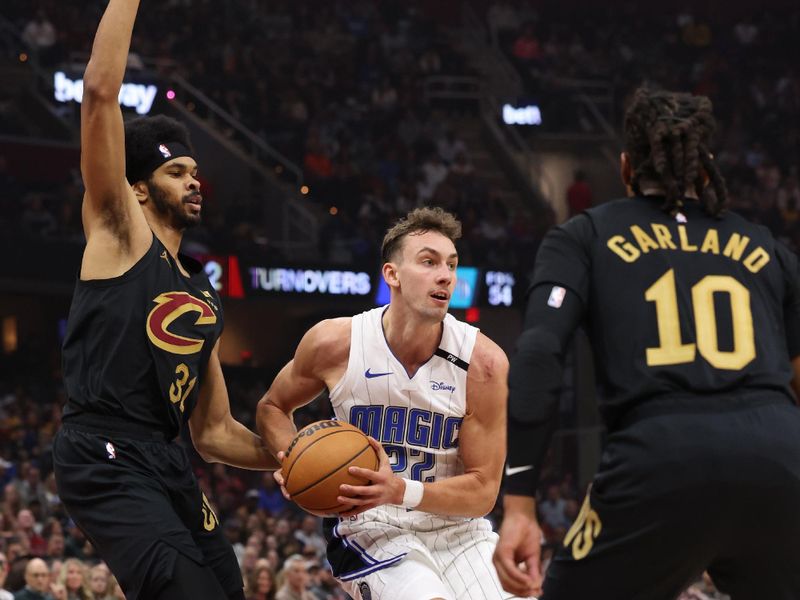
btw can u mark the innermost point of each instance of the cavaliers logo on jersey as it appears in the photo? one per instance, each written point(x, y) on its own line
point(170, 306)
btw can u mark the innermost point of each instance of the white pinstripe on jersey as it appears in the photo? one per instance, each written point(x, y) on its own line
point(417, 419)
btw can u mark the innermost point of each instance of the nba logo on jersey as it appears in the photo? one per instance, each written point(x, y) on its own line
point(112, 453)
point(363, 589)
point(164, 151)
point(556, 298)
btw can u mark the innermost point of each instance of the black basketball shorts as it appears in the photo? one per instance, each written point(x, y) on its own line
point(137, 500)
point(706, 485)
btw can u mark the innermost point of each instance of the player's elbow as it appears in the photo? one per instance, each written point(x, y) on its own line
point(97, 90)
point(265, 411)
point(485, 497)
point(208, 442)
point(205, 448)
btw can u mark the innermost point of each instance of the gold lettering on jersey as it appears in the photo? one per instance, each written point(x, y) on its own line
point(210, 520)
point(584, 531)
point(711, 242)
point(170, 306)
point(685, 245)
point(663, 236)
point(646, 243)
point(625, 250)
point(180, 389)
point(210, 299)
point(756, 260)
point(735, 248)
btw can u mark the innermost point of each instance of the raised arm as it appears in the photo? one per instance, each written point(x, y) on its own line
point(114, 224)
point(481, 443)
point(319, 362)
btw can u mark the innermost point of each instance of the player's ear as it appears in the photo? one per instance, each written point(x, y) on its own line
point(141, 191)
point(626, 172)
point(389, 272)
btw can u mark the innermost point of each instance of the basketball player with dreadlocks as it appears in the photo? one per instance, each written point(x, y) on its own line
point(693, 314)
point(141, 353)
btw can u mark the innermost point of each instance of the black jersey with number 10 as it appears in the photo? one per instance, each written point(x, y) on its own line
point(677, 305)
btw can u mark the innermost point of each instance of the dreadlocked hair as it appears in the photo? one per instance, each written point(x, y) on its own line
point(667, 137)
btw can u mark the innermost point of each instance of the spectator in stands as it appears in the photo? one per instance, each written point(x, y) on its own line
point(449, 146)
point(503, 21)
point(27, 528)
point(55, 545)
point(310, 537)
point(37, 581)
point(5, 567)
point(527, 49)
point(326, 586)
point(75, 541)
point(261, 584)
point(40, 34)
point(579, 194)
point(553, 510)
point(99, 581)
point(74, 577)
point(287, 544)
point(58, 591)
point(37, 220)
point(295, 580)
point(233, 531)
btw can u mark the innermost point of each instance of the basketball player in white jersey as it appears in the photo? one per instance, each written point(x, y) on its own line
point(432, 390)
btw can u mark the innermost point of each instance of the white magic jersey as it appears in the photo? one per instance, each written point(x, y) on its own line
point(417, 419)
point(390, 552)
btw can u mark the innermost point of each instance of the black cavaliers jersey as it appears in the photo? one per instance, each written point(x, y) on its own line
point(676, 306)
point(137, 345)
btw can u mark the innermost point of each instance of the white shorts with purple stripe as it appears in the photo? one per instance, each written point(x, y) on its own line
point(389, 553)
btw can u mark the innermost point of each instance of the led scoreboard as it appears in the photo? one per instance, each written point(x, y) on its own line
point(499, 288)
point(475, 287)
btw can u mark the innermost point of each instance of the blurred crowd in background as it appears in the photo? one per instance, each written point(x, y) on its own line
point(336, 87)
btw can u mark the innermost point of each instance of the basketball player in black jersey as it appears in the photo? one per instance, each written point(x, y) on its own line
point(693, 316)
point(141, 353)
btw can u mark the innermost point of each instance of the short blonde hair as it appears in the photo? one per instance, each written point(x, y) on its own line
point(419, 220)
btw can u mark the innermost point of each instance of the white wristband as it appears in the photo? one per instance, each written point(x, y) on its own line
point(413, 494)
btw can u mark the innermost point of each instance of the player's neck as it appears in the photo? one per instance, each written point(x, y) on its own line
point(169, 236)
point(653, 188)
point(412, 341)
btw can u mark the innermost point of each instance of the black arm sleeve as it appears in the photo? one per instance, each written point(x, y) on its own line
point(555, 307)
point(791, 303)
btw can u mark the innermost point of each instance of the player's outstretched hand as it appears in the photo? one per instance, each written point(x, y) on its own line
point(278, 475)
point(520, 544)
point(384, 486)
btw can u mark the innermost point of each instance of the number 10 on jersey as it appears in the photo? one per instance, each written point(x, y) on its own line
point(671, 349)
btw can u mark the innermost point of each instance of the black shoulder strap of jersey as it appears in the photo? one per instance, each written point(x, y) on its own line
point(451, 358)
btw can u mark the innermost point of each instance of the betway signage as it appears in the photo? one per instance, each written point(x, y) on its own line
point(309, 281)
point(139, 96)
point(522, 115)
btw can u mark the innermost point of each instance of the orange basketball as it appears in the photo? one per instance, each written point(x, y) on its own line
point(316, 464)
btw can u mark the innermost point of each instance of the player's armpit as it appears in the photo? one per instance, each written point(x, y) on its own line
point(109, 204)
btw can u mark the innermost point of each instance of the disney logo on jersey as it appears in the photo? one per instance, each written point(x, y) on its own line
point(442, 386)
point(169, 307)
